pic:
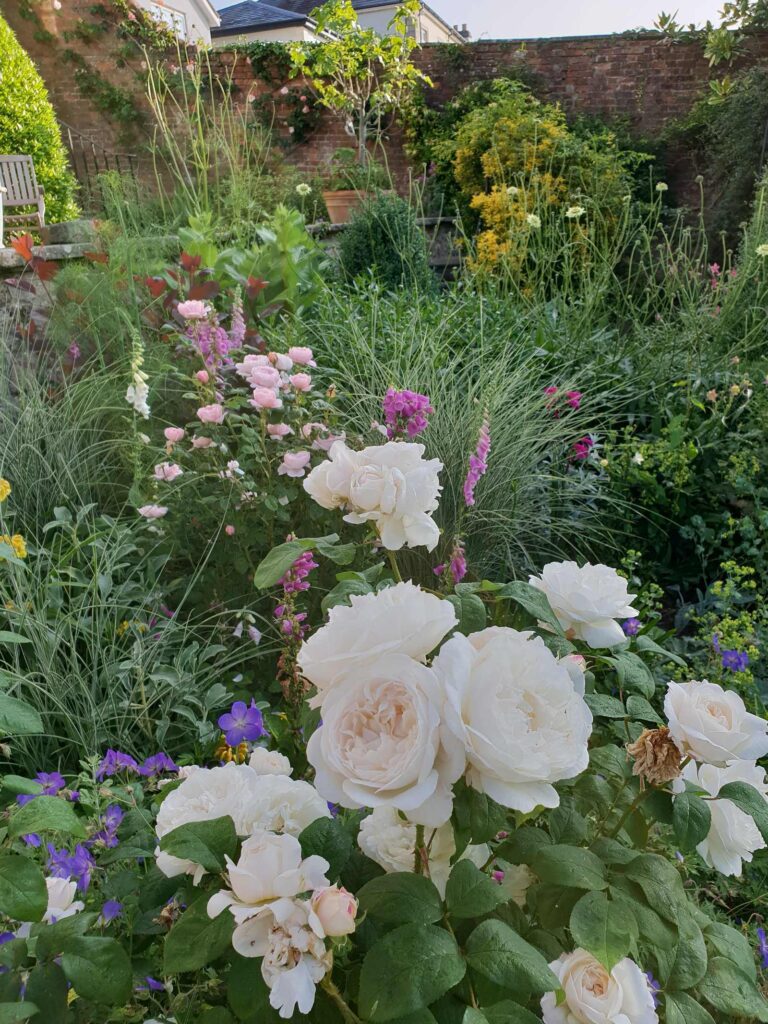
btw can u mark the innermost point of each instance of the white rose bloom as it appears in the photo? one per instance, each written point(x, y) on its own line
point(390, 485)
point(269, 873)
point(515, 710)
point(733, 835)
point(398, 620)
point(587, 600)
point(269, 762)
point(518, 878)
point(295, 959)
point(61, 900)
point(253, 801)
point(711, 724)
point(383, 742)
point(390, 841)
point(595, 996)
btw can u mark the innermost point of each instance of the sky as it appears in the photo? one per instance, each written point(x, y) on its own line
point(526, 19)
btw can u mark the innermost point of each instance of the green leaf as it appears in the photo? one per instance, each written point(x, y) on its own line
point(603, 927)
point(12, 1012)
point(400, 898)
point(733, 945)
point(46, 814)
point(23, 893)
point(610, 760)
point(566, 824)
point(341, 554)
point(470, 892)
point(523, 845)
point(47, 989)
point(684, 965)
point(642, 710)
point(570, 866)
point(206, 843)
point(99, 969)
point(682, 1009)
point(280, 559)
point(508, 1012)
point(17, 718)
point(18, 784)
point(342, 592)
point(247, 992)
point(612, 852)
point(14, 639)
point(470, 611)
point(478, 817)
point(534, 602)
point(472, 1016)
point(634, 675)
point(691, 820)
point(654, 930)
point(501, 955)
point(196, 939)
point(52, 938)
point(327, 837)
point(603, 706)
point(750, 800)
point(731, 992)
point(407, 970)
point(644, 643)
point(661, 883)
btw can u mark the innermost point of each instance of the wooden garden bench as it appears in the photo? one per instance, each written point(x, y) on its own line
point(19, 188)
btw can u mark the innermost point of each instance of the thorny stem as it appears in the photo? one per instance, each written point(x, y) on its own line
point(631, 810)
point(419, 852)
point(345, 1011)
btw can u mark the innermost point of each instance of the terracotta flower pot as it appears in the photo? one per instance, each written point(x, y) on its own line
point(341, 205)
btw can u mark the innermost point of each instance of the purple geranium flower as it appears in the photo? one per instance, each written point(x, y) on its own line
point(631, 627)
point(735, 661)
point(156, 764)
point(77, 865)
point(242, 723)
point(762, 948)
point(111, 910)
point(115, 761)
point(51, 783)
point(110, 820)
point(151, 985)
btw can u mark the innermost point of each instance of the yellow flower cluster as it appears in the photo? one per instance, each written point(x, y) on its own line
point(5, 489)
point(16, 542)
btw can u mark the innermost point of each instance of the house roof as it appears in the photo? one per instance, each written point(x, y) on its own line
point(209, 11)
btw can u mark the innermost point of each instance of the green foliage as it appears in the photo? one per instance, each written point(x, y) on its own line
point(28, 127)
point(385, 240)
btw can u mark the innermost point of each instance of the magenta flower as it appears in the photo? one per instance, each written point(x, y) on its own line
point(582, 448)
point(242, 723)
point(405, 413)
point(478, 462)
point(573, 398)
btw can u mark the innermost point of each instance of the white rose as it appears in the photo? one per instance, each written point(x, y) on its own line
point(336, 910)
point(382, 742)
point(269, 873)
point(269, 762)
point(711, 724)
point(389, 840)
point(398, 620)
point(733, 835)
point(587, 600)
point(390, 485)
point(61, 900)
point(514, 708)
point(595, 996)
point(253, 801)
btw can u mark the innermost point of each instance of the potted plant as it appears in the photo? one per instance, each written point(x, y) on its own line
point(348, 183)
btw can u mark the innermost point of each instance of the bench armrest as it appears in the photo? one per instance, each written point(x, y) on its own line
point(41, 190)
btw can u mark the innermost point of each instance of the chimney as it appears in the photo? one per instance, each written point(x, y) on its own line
point(464, 31)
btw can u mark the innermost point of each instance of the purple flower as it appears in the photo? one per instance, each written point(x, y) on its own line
point(762, 948)
point(654, 987)
point(32, 839)
point(631, 627)
point(156, 764)
point(716, 642)
point(110, 820)
point(51, 782)
point(151, 985)
point(242, 723)
point(582, 448)
point(115, 761)
point(77, 865)
point(573, 398)
point(478, 462)
point(735, 661)
point(497, 876)
point(111, 910)
point(405, 413)
point(6, 937)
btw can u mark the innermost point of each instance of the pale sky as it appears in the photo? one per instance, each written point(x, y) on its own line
point(525, 19)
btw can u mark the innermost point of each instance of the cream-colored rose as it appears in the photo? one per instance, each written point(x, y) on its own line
point(335, 909)
point(390, 485)
point(397, 620)
point(390, 840)
point(269, 762)
point(733, 835)
point(383, 742)
point(595, 996)
point(514, 708)
point(587, 600)
point(711, 724)
point(253, 801)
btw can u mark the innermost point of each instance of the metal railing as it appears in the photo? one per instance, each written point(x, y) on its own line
point(89, 158)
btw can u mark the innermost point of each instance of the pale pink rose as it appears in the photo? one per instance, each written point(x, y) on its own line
point(336, 910)
point(211, 413)
point(167, 471)
point(279, 430)
point(202, 442)
point(203, 376)
point(153, 511)
point(302, 356)
point(174, 434)
point(229, 530)
point(264, 377)
point(193, 309)
point(308, 429)
point(294, 464)
point(324, 444)
point(301, 381)
point(282, 362)
point(265, 398)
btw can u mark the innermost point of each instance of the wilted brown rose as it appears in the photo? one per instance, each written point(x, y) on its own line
point(656, 756)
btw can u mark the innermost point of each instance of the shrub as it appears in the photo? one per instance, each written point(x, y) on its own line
point(385, 238)
point(28, 126)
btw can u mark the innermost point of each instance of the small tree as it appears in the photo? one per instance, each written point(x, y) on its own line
point(357, 73)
